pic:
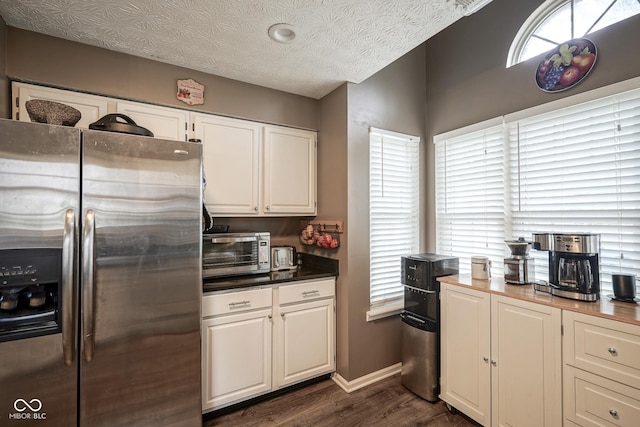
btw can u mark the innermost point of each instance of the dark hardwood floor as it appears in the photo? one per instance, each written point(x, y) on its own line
point(385, 403)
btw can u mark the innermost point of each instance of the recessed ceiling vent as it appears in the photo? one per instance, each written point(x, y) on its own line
point(471, 6)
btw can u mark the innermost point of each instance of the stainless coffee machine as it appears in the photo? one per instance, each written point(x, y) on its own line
point(574, 265)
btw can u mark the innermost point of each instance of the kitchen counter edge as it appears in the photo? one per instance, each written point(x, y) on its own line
point(604, 307)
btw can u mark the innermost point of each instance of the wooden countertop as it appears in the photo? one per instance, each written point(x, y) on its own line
point(604, 307)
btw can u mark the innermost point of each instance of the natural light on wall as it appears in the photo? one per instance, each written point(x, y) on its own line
point(557, 21)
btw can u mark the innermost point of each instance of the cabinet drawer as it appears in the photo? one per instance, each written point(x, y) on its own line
point(602, 346)
point(235, 302)
point(599, 401)
point(306, 291)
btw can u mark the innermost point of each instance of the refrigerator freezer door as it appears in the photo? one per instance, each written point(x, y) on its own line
point(39, 182)
point(140, 356)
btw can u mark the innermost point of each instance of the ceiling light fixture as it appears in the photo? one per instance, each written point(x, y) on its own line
point(282, 33)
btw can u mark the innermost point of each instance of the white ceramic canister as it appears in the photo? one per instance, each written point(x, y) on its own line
point(480, 268)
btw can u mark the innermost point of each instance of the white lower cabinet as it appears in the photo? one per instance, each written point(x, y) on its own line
point(259, 340)
point(601, 371)
point(305, 337)
point(501, 358)
point(236, 347)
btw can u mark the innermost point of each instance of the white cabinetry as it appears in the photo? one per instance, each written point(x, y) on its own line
point(465, 325)
point(165, 123)
point(601, 371)
point(289, 171)
point(236, 346)
point(246, 353)
point(91, 107)
point(501, 358)
point(254, 169)
point(305, 324)
point(231, 160)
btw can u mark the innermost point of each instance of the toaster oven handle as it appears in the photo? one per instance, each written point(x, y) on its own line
point(233, 239)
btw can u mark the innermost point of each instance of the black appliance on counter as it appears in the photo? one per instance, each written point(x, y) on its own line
point(421, 321)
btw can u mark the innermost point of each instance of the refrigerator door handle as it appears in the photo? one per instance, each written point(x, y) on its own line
point(68, 284)
point(88, 283)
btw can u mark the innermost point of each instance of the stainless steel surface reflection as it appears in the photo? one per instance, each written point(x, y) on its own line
point(126, 213)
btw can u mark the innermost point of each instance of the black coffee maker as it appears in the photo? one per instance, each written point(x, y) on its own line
point(574, 264)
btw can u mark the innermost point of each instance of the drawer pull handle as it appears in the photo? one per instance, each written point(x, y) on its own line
point(307, 293)
point(613, 413)
point(613, 351)
point(240, 303)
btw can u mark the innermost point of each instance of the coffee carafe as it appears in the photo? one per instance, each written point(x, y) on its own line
point(574, 264)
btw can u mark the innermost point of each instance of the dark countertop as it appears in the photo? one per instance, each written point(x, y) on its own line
point(313, 267)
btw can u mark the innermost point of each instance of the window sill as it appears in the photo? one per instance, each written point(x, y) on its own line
point(387, 310)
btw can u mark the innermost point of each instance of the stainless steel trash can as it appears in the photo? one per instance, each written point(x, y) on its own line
point(420, 356)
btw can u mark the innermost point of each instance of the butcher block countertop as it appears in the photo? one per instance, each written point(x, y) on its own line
point(604, 307)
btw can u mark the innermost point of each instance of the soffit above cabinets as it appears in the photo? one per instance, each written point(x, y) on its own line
point(335, 41)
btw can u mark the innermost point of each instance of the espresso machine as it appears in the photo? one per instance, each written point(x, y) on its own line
point(574, 265)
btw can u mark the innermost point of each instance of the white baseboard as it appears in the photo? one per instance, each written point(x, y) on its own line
point(364, 381)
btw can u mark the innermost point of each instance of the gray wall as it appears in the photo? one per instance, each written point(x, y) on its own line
point(467, 81)
point(392, 99)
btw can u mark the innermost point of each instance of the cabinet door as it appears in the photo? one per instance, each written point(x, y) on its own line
point(236, 358)
point(91, 107)
point(527, 358)
point(165, 123)
point(465, 351)
point(231, 160)
point(305, 342)
point(289, 171)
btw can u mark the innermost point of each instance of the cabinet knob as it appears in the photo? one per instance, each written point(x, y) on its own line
point(486, 359)
point(255, 209)
point(494, 363)
point(613, 351)
point(270, 316)
point(613, 413)
point(267, 207)
point(282, 315)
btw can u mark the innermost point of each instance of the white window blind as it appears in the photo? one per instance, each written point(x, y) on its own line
point(394, 212)
point(573, 169)
point(578, 170)
point(470, 196)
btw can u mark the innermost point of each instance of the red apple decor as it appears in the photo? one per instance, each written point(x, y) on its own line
point(566, 65)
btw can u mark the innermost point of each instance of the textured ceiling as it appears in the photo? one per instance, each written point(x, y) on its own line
point(336, 40)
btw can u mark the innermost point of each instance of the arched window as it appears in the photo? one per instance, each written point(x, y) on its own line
point(557, 21)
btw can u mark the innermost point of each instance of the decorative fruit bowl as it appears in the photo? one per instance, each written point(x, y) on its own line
point(566, 65)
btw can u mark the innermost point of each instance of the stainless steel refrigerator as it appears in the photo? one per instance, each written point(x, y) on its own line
point(100, 278)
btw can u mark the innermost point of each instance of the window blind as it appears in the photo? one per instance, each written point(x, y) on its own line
point(393, 211)
point(578, 170)
point(573, 169)
point(470, 202)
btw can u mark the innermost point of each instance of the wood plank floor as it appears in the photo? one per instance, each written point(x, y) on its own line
point(385, 403)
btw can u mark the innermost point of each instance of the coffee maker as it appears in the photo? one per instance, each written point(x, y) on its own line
point(574, 264)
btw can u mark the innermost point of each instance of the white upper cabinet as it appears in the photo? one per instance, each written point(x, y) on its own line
point(289, 171)
point(255, 169)
point(165, 123)
point(231, 160)
point(91, 107)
